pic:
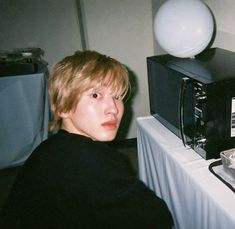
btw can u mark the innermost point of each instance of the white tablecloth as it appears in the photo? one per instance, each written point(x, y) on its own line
point(23, 117)
point(196, 198)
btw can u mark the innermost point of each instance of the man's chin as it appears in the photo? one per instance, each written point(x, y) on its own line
point(106, 138)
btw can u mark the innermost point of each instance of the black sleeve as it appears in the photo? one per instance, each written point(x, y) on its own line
point(120, 200)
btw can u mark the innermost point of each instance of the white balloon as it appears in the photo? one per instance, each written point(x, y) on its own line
point(183, 28)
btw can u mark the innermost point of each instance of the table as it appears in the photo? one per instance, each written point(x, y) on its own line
point(196, 198)
point(23, 116)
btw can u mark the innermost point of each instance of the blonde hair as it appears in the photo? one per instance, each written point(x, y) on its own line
point(79, 72)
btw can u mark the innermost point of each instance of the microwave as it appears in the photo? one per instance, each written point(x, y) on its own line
point(195, 98)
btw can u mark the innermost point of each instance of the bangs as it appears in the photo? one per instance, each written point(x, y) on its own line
point(100, 71)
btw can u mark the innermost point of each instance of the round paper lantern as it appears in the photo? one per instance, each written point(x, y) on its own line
point(183, 28)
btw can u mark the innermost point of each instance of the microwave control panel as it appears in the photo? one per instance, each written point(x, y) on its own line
point(200, 102)
point(232, 117)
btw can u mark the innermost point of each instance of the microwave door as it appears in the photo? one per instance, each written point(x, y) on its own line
point(186, 112)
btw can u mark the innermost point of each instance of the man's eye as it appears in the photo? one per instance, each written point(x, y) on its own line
point(95, 95)
point(118, 97)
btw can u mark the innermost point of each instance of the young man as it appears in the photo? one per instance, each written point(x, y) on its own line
point(74, 179)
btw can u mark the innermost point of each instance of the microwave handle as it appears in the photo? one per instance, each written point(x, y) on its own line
point(183, 87)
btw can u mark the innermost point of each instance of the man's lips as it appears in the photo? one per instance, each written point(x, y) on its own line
point(109, 124)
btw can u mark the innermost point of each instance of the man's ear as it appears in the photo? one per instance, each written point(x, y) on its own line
point(64, 114)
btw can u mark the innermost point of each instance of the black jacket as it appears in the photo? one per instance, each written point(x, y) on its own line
point(71, 181)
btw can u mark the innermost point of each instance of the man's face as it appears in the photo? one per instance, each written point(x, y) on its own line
point(97, 115)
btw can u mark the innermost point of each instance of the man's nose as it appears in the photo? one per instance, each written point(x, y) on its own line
point(111, 105)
